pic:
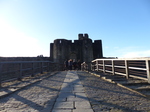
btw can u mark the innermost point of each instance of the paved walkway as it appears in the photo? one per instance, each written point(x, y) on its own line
point(72, 97)
point(63, 92)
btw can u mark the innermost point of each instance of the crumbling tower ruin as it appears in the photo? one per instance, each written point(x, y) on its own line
point(82, 49)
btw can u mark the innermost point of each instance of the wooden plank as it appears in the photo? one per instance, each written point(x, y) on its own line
point(148, 70)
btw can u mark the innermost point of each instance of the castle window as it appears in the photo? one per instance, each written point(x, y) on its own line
point(60, 41)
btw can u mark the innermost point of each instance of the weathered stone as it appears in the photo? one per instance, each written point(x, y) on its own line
point(63, 105)
point(82, 104)
point(82, 49)
point(83, 110)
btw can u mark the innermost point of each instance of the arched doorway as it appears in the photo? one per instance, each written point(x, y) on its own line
point(73, 55)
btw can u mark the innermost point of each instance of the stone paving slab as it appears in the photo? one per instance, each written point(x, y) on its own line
point(63, 105)
point(76, 99)
point(82, 94)
point(78, 89)
point(82, 105)
point(61, 99)
point(72, 96)
point(65, 95)
point(83, 110)
point(56, 110)
point(78, 86)
point(67, 90)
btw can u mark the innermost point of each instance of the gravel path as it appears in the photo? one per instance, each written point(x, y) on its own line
point(103, 96)
point(39, 97)
point(107, 97)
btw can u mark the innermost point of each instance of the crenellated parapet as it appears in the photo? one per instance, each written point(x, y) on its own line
point(82, 49)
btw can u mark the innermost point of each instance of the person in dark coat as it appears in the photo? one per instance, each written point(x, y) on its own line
point(79, 65)
point(66, 65)
point(70, 64)
point(74, 64)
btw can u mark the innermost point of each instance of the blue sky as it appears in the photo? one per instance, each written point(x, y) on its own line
point(27, 27)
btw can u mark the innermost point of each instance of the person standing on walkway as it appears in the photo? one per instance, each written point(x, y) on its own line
point(79, 65)
point(70, 64)
point(66, 65)
point(74, 64)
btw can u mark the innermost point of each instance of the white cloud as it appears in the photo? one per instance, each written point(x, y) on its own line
point(132, 51)
point(16, 43)
point(137, 54)
point(128, 52)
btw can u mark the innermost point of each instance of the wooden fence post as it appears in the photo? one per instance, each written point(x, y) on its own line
point(113, 69)
point(148, 70)
point(87, 66)
point(50, 66)
point(97, 65)
point(104, 66)
point(127, 68)
point(41, 67)
point(0, 74)
point(91, 67)
point(32, 69)
point(47, 66)
point(20, 74)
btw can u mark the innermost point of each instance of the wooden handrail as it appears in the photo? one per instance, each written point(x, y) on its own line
point(19, 69)
point(137, 68)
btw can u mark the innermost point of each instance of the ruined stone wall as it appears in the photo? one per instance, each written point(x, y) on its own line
point(87, 50)
point(61, 49)
point(4, 59)
point(82, 49)
point(97, 49)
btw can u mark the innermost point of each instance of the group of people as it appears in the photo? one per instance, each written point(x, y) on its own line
point(72, 64)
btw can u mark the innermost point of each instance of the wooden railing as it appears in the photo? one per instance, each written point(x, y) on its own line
point(18, 69)
point(84, 66)
point(136, 68)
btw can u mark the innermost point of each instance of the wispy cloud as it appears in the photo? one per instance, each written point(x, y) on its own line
point(133, 51)
point(137, 54)
point(127, 52)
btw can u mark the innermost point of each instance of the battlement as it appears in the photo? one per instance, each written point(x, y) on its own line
point(62, 41)
point(82, 49)
point(83, 36)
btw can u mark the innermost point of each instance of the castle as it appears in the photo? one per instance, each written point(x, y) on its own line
point(82, 49)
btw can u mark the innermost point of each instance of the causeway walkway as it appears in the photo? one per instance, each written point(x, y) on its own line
point(67, 91)
point(55, 92)
point(72, 97)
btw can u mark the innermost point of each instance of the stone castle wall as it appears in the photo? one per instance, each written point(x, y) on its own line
point(4, 59)
point(82, 49)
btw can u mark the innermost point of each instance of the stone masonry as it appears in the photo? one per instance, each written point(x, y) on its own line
point(82, 49)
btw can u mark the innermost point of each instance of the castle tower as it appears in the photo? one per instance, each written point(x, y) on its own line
point(82, 49)
point(60, 50)
point(87, 48)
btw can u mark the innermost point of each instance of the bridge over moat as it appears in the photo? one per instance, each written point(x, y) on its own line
point(103, 84)
point(82, 49)
point(69, 91)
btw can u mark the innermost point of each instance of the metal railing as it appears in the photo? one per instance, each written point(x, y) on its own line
point(18, 69)
point(136, 68)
